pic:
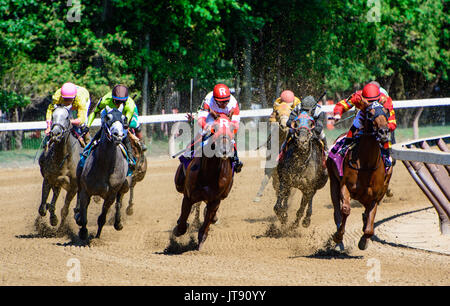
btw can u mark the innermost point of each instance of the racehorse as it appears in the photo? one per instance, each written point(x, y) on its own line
point(140, 171)
point(282, 111)
point(363, 176)
point(207, 178)
point(58, 163)
point(301, 166)
point(105, 173)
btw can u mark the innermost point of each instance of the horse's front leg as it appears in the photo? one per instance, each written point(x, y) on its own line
point(181, 227)
point(345, 212)
point(281, 206)
point(52, 206)
point(267, 175)
point(130, 202)
point(211, 209)
point(45, 192)
point(118, 223)
point(81, 217)
point(368, 220)
point(306, 200)
point(65, 210)
point(102, 218)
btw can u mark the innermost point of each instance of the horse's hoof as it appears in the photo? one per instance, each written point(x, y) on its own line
point(337, 238)
point(118, 226)
point(257, 199)
point(77, 218)
point(53, 220)
point(177, 232)
point(306, 222)
point(83, 233)
point(130, 211)
point(363, 243)
point(43, 209)
point(339, 246)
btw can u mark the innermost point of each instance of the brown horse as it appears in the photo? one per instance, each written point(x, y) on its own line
point(140, 171)
point(364, 177)
point(208, 178)
point(282, 111)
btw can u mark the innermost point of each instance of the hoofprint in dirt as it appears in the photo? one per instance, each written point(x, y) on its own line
point(245, 248)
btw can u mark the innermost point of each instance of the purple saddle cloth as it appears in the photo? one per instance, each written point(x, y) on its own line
point(336, 157)
point(339, 160)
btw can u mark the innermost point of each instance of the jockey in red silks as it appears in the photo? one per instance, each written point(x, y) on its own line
point(219, 101)
point(371, 93)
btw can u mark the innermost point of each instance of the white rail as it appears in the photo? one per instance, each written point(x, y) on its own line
point(41, 125)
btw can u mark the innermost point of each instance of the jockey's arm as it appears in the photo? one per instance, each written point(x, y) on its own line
point(294, 114)
point(386, 101)
point(129, 110)
point(101, 104)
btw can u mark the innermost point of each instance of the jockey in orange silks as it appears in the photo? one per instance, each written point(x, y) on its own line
point(371, 93)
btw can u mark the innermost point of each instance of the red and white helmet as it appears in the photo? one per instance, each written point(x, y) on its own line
point(68, 91)
point(371, 92)
point(221, 93)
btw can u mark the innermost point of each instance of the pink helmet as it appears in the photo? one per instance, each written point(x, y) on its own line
point(69, 90)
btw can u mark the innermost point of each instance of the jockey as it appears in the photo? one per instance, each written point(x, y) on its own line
point(286, 96)
point(309, 104)
point(371, 93)
point(218, 101)
point(118, 98)
point(75, 98)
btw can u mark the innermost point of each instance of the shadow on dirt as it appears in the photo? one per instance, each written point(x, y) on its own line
point(43, 230)
point(176, 247)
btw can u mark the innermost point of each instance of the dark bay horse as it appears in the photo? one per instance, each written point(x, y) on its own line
point(364, 177)
point(282, 111)
point(301, 166)
point(58, 164)
point(105, 174)
point(208, 178)
point(140, 171)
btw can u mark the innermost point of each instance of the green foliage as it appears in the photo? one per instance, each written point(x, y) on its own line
point(309, 45)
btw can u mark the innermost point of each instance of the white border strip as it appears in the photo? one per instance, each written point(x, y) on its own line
point(401, 152)
point(41, 125)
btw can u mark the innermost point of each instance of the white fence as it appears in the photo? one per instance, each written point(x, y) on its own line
point(41, 125)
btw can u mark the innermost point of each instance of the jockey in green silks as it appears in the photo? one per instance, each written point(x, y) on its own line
point(118, 98)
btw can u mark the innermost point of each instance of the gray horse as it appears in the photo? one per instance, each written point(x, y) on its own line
point(104, 174)
point(302, 167)
point(58, 164)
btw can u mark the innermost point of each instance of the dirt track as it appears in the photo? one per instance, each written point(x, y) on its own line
point(240, 250)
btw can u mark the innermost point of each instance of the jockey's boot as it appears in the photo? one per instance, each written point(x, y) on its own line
point(131, 161)
point(90, 145)
point(141, 139)
point(386, 157)
point(237, 163)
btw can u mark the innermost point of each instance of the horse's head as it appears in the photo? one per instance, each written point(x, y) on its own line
point(377, 121)
point(60, 123)
point(223, 133)
point(113, 125)
point(282, 111)
point(303, 126)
